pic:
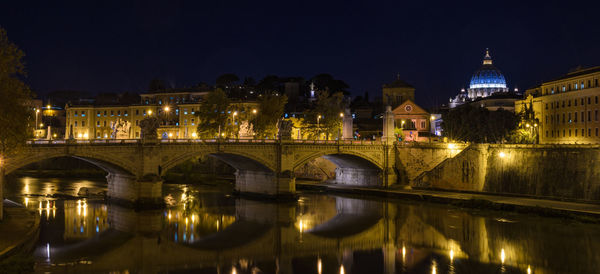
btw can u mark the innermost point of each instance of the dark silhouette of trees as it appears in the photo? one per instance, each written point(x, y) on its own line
point(156, 85)
point(213, 114)
point(270, 111)
point(226, 80)
point(478, 125)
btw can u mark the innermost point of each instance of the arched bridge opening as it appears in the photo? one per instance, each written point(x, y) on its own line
point(339, 168)
point(251, 175)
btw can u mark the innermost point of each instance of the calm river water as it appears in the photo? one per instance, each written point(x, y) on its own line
point(205, 229)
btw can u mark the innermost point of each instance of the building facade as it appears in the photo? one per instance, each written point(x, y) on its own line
point(177, 112)
point(566, 108)
point(413, 121)
point(397, 92)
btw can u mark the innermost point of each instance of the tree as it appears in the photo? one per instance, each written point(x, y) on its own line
point(156, 85)
point(269, 84)
point(226, 80)
point(328, 108)
point(270, 111)
point(527, 130)
point(213, 115)
point(479, 125)
point(15, 110)
point(327, 82)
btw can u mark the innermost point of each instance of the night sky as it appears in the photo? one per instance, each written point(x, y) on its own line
point(120, 46)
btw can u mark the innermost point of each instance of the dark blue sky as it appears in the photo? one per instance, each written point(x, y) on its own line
point(119, 46)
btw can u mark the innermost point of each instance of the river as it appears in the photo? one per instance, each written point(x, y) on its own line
point(206, 229)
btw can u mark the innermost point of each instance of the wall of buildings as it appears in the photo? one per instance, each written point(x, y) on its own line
point(561, 171)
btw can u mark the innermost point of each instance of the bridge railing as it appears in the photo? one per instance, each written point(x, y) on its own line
point(195, 141)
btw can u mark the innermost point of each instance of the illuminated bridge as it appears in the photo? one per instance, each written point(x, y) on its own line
point(264, 167)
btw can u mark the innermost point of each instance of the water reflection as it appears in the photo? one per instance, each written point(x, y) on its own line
point(205, 230)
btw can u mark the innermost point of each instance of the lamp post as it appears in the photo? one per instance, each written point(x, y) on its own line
point(318, 127)
point(233, 121)
point(37, 111)
point(340, 129)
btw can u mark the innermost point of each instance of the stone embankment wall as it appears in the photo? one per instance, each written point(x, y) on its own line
point(560, 171)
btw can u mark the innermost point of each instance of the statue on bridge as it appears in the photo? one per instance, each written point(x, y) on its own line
point(120, 129)
point(246, 130)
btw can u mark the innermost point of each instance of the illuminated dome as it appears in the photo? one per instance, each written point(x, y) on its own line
point(486, 80)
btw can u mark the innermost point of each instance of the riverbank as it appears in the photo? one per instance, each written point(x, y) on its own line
point(585, 212)
point(18, 233)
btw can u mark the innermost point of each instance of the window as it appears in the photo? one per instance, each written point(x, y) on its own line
point(575, 132)
point(112, 113)
point(596, 115)
point(596, 99)
point(563, 103)
point(104, 123)
point(125, 113)
point(589, 116)
point(589, 132)
point(105, 113)
point(564, 89)
point(546, 134)
point(137, 112)
point(118, 113)
point(564, 133)
point(582, 117)
point(575, 102)
point(596, 82)
point(589, 100)
point(582, 85)
point(83, 113)
point(98, 113)
point(75, 123)
point(589, 83)
point(568, 87)
point(185, 122)
point(83, 123)
point(596, 132)
point(563, 118)
point(192, 122)
point(552, 90)
point(546, 119)
point(97, 123)
point(422, 124)
point(552, 133)
point(569, 103)
point(569, 132)
point(137, 122)
point(137, 134)
point(575, 116)
point(582, 102)
point(185, 111)
point(582, 132)
point(75, 113)
point(576, 86)
point(160, 102)
point(570, 117)
point(546, 105)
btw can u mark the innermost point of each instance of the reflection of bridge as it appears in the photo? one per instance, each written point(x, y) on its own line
point(263, 166)
point(280, 235)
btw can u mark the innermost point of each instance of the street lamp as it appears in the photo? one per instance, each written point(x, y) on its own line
point(233, 119)
point(149, 112)
point(254, 111)
point(319, 126)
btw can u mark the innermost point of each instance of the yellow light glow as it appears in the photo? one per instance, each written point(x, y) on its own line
point(528, 269)
point(502, 255)
point(37, 111)
point(319, 117)
point(79, 135)
point(451, 146)
point(166, 109)
point(54, 135)
point(451, 254)
point(48, 106)
point(341, 114)
point(170, 135)
point(319, 266)
point(403, 122)
point(527, 125)
point(432, 117)
point(223, 134)
point(502, 155)
point(342, 269)
point(254, 111)
point(535, 125)
point(194, 135)
point(234, 113)
point(85, 135)
point(41, 125)
point(26, 201)
point(149, 112)
point(403, 252)
point(233, 271)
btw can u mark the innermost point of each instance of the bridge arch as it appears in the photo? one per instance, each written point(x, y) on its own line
point(353, 168)
point(109, 164)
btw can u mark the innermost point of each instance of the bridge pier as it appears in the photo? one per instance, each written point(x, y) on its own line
point(264, 183)
point(1, 192)
point(129, 190)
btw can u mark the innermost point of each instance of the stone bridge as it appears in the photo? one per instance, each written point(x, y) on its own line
point(264, 167)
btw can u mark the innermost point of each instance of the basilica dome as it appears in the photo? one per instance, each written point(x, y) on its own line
point(486, 80)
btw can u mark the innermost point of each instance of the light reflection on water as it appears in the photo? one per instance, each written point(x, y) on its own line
point(206, 230)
